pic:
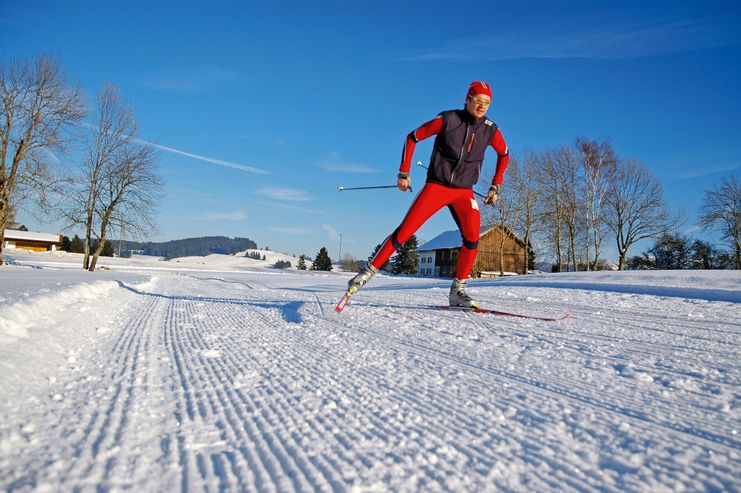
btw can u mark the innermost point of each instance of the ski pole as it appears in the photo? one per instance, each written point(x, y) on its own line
point(419, 163)
point(342, 189)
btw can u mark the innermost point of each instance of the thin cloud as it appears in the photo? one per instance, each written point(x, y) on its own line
point(586, 38)
point(708, 170)
point(332, 233)
point(335, 164)
point(285, 194)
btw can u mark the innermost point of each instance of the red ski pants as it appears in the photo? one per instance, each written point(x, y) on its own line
point(432, 198)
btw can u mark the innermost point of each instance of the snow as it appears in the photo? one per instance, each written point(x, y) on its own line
point(211, 374)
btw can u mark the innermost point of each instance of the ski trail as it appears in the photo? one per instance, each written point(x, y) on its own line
point(209, 384)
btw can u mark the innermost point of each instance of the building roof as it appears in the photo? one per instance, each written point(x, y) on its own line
point(14, 234)
point(448, 239)
point(452, 239)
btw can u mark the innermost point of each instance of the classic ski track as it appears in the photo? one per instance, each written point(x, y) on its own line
point(92, 440)
point(276, 469)
point(714, 438)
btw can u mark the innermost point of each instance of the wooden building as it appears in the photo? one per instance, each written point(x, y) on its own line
point(27, 240)
point(439, 256)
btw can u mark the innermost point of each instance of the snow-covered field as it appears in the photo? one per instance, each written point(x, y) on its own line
point(215, 375)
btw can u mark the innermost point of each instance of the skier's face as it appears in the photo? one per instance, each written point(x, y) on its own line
point(478, 105)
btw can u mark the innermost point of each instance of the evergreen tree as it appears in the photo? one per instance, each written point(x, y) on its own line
point(406, 260)
point(641, 262)
point(301, 265)
point(66, 244)
point(385, 266)
point(77, 246)
point(704, 255)
point(322, 261)
point(108, 250)
point(671, 251)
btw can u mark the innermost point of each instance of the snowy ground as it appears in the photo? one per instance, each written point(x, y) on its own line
point(154, 376)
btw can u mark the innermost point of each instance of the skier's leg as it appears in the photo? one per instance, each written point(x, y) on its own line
point(430, 200)
point(465, 211)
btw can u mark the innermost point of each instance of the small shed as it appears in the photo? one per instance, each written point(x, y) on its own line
point(28, 240)
point(500, 250)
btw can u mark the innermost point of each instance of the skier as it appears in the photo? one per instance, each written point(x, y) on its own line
point(455, 165)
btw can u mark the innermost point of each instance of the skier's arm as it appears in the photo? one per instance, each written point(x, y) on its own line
point(497, 142)
point(429, 129)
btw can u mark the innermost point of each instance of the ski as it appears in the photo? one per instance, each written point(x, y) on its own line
point(501, 313)
point(343, 301)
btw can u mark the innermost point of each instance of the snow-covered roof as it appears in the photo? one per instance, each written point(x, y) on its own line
point(14, 234)
point(452, 239)
point(448, 239)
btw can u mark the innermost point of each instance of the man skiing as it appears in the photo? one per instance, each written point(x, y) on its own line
point(462, 136)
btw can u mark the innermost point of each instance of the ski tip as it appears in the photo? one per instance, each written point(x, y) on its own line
point(343, 301)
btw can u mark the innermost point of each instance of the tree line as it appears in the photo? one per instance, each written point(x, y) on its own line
point(572, 199)
point(187, 247)
point(114, 188)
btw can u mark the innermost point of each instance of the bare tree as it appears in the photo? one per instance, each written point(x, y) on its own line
point(636, 208)
point(118, 186)
point(598, 164)
point(567, 170)
point(550, 186)
point(38, 107)
point(506, 209)
point(525, 183)
point(129, 195)
point(721, 210)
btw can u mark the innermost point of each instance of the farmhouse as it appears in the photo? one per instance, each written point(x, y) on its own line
point(438, 257)
point(27, 240)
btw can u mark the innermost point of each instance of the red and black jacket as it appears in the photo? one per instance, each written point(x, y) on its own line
point(458, 152)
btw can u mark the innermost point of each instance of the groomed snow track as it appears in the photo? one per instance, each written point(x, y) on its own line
point(252, 383)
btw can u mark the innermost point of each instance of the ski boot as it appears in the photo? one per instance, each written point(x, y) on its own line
point(459, 297)
point(362, 277)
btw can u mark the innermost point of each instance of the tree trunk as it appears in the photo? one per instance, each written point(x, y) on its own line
point(97, 252)
point(3, 220)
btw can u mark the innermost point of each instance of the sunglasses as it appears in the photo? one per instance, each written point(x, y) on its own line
point(485, 102)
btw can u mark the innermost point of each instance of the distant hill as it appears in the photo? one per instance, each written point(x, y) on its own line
point(188, 247)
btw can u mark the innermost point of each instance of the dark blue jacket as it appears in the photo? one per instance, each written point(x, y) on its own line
point(458, 152)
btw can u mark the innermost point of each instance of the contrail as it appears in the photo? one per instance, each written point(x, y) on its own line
point(208, 159)
point(220, 162)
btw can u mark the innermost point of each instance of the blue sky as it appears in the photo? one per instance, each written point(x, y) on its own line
point(263, 109)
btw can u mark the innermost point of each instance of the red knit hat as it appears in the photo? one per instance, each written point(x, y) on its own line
point(478, 87)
